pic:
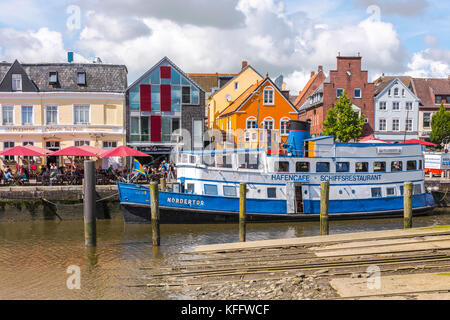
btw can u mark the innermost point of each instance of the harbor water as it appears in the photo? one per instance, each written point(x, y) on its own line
point(35, 257)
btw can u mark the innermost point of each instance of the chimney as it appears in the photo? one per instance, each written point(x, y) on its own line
point(244, 64)
point(70, 57)
point(320, 69)
point(312, 74)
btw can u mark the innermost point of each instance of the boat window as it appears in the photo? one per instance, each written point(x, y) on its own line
point(417, 189)
point(322, 167)
point(376, 192)
point(224, 161)
point(192, 159)
point(248, 161)
point(302, 167)
point(401, 190)
point(271, 192)
point(190, 188)
point(281, 166)
point(210, 189)
point(396, 166)
point(342, 166)
point(420, 165)
point(379, 166)
point(390, 191)
point(229, 191)
point(361, 167)
point(411, 165)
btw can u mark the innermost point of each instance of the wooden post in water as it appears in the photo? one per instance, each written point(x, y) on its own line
point(163, 184)
point(324, 201)
point(154, 205)
point(407, 205)
point(90, 230)
point(242, 211)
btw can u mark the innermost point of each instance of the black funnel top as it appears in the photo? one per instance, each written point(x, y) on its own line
point(299, 125)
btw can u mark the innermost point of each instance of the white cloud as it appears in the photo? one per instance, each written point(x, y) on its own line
point(430, 63)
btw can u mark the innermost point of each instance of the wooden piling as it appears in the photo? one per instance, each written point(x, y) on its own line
point(90, 229)
point(154, 205)
point(407, 205)
point(242, 211)
point(163, 184)
point(324, 202)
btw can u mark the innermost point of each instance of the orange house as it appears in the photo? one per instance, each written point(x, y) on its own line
point(261, 106)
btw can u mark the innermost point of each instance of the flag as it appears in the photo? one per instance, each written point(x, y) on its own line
point(138, 167)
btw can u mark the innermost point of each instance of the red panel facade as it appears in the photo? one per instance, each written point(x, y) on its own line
point(146, 97)
point(166, 97)
point(165, 72)
point(155, 128)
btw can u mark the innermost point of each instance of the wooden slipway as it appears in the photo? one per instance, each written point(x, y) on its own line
point(346, 241)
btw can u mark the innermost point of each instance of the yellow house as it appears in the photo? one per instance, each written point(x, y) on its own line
point(57, 105)
point(222, 98)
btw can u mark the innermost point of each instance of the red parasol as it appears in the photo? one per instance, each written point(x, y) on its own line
point(124, 151)
point(97, 151)
point(41, 150)
point(421, 142)
point(73, 151)
point(22, 151)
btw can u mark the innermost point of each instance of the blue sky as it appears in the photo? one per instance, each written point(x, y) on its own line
point(288, 37)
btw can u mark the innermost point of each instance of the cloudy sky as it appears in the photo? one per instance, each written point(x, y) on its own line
point(289, 37)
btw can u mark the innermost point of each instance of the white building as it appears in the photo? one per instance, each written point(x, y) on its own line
point(396, 111)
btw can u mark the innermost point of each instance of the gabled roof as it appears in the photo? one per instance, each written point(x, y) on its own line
point(390, 83)
point(383, 81)
point(100, 77)
point(240, 102)
point(165, 59)
point(427, 88)
point(208, 81)
point(242, 70)
point(305, 88)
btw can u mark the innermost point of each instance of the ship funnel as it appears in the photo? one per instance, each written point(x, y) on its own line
point(298, 133)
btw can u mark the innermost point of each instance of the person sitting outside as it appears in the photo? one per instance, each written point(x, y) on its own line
point(8, 176)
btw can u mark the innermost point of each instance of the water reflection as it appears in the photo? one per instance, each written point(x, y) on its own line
point(34, 256)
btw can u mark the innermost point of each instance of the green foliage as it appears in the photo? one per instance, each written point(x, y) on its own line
point(342, 121)
point(440, 125)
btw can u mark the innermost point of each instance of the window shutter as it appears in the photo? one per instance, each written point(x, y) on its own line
point(165, 72)
point(165, 97)
point(155, 128)
point(146, 97)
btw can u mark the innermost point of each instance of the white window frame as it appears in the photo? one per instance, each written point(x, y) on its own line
point(384, 103)
point(379, 124)
point(354, 93)
point(13, 115)
point(9, 158)
point(406, 125)
point(269, 102)
point(236, 85)
point(32, 114)
point(14, 78)
point(74, 106)
point(28, 143)
point(396, 119)
point(396, 92)
point(78, 79)
point(284, 132)
point(406, 105)
point(337, 90)
point(81, 140)
point(393, 104)
point(253, 120)
point(268, 119)
point(423, 119)
point(45, 114)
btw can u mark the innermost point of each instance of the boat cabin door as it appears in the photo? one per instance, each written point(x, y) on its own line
point(298, 198)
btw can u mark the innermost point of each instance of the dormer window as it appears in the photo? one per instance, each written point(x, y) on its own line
point(16, 82)
point(53, 78)
point(438, 99)
point(81, 78)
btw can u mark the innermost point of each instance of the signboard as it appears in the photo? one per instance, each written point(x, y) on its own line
point(389, 150)
point(155, 149)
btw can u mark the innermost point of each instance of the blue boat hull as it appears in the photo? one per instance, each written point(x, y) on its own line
point(190, 208)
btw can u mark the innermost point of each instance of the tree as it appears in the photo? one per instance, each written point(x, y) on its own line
point(342, 121)
point(440, 125)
